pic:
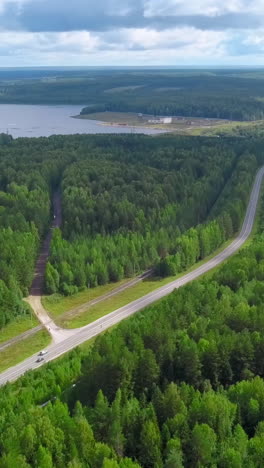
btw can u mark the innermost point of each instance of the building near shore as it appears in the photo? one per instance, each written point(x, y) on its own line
point(167, 120)
point(162, 120)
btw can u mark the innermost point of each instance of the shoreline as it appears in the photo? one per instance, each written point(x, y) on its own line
point(165, 128)
point(124, 125)
point(180, 125)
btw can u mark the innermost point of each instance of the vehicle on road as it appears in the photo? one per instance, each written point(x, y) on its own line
point(42, 353)
point(40, 359)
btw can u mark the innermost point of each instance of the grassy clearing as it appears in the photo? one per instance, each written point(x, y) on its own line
point(229, 128)
point(20, 325)
point(18, 352)
point(57, 304)
point(128, 118)
point(120, 89)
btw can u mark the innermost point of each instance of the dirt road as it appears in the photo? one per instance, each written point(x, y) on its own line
point(38, 281)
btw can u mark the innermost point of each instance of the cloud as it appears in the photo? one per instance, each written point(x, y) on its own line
point(175, 38)
point(130, 31)
point(255, 39)
point(125, 46)
point(209, 8)
point(79, 42)
point(61, 15)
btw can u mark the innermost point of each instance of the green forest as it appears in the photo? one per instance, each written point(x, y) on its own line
point(138, 206)
point(180, 384)
point(29, 172)
point(128, 202)
point(227, 94)
point(93, 227)
point(186, 393)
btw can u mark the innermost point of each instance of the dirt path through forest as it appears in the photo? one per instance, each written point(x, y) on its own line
point(37, 288)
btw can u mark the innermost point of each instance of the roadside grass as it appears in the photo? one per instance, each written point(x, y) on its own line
point(56, 304)
point(125, 297)
point(16, 353)
point(20, 325)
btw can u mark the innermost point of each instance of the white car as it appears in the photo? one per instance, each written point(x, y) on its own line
point(42, 353)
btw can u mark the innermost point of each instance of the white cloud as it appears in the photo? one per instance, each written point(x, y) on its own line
point(255, 39)
point(139, 41)
point(127, 46)
point(176, 38)
point(81, 41)
point(202, 7)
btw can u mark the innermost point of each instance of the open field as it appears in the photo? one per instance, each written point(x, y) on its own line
point(120, 89)
point(232, 129)
point(18, 352)
point(179, 124)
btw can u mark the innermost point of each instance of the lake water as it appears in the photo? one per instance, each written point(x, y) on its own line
point(35, 121)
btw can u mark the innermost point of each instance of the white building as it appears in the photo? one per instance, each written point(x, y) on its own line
point(167, 120)
point(163, 120)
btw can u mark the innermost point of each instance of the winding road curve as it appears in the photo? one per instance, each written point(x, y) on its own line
point(81, 335)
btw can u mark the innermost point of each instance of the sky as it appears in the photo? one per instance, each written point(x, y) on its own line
point(131, 32)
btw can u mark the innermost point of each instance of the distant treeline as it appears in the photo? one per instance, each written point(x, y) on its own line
point(185, 104)
point(227, 95)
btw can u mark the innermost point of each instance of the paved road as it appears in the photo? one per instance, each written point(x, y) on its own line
point(35, 302)
point(93, 329)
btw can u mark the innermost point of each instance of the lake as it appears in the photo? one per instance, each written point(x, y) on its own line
point(36, 120)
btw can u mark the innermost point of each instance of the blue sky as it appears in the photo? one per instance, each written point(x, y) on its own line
point(131, 32)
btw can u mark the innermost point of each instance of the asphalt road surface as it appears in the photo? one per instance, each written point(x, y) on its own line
point(83, 334)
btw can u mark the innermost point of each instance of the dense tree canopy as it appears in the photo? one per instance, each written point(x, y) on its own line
point(128, 201)
point(186, 393)
point(180, 384)
point(127, 210)
point(28, 175)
